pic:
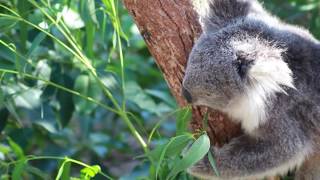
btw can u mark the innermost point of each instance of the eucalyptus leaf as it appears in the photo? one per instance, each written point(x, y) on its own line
point(72, 18)
point(173, 147)
point(137, 95)
point(88, 11)
point(87, 86)
point(16, 149)
point(24, 96)
point(196, 152)
point(183, 118)
point(213, 164)
point(4, 114)
point(64, 171)
point(66, 104)
point(35, 43)
point(19, 169)
point(90, 172)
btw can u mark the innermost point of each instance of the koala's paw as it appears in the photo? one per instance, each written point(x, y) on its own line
point(203, 170)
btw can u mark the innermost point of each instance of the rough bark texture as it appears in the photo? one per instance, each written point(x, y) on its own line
point(170, 28)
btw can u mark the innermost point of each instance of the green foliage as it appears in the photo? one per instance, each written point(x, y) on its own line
point(77, 82)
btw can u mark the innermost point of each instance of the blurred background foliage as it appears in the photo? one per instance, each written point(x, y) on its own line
point(75, 83)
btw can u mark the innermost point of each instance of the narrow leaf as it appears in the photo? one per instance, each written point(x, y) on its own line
point(19, 169)
point(213, 164)
point(4, 114)
point(196, 152)
point(16, 148)
point(183, 119)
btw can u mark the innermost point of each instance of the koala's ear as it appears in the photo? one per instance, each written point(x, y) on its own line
point(215, 14)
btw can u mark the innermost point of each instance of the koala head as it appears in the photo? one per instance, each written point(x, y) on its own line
point(234, 70)
point(224, 66)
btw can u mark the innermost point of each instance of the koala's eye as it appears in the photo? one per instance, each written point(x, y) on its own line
point(243, 64)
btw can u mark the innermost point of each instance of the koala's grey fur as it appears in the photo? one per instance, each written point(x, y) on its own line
point(264, 74)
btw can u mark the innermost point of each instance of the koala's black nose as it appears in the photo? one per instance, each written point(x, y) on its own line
point(186, 95)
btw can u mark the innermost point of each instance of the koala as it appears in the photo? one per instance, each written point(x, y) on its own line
point(263, 74)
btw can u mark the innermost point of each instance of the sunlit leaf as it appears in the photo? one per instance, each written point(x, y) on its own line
point(88, 11)
point(16, 149)
point(309, 7)
point(196, 152)
point(90, 172)
point(72, 18)
point(183, 119)
point(173, 148)
point(64, 171)
point(87, 86)
point(4, 149)
point(24, 96)
point(19, 169)
point(136, 94)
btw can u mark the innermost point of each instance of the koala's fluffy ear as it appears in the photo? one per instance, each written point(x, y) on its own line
point(215, 14)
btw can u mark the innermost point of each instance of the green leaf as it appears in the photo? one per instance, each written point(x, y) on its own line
point(88, 11)
point(4, 115)
point(163, 96)
point(173, 148)
point(43, 71)
point(64, 171)
point(7, 23)
point(196, 152)
point(309, 7)
point(5, 177)
point(90, 37)
point(26, 97)
point(72, 18)
point(36, 171)
point(1, 97)
point(6, 55)
point(35, 43)
point(183, 118)
point(16, 149)
point(137, 95)
point(66, 104)
point(4, 149)
point(24, 10)
point(90, 172)
point(19, 169)
point(213, 163)
point(87, 86)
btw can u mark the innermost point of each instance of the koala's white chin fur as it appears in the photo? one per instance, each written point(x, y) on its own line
point(268, 75)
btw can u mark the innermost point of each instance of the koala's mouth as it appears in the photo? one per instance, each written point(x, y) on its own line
point(203, 99)
point(210, 103)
